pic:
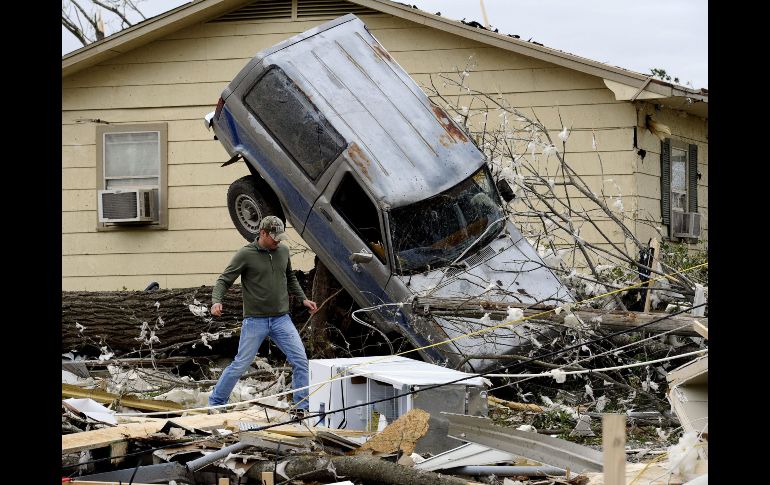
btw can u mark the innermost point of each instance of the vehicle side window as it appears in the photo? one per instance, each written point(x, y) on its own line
point(295, 122)
point(360, 213)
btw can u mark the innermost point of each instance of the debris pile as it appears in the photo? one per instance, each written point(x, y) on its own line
point(121, 422)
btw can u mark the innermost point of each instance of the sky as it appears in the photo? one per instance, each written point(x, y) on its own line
point(661, 34)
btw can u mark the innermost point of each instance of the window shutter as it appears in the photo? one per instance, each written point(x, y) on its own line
point(692, 169)
point(665, 182)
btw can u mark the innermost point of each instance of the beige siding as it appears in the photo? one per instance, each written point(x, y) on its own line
point(688, 129)
point(179, 78)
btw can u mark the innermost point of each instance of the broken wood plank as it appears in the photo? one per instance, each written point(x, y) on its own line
point(701, 329)
point(264, 439)
point(82, 482)
point(304, 432)
point(696, 368)
point(118, 450)
point(268, 478)
point(69, 390)
point(616, 319)
point(689, 397)
point(337, 440)
point(516, 406)
point(99, 438)
point(614, 448)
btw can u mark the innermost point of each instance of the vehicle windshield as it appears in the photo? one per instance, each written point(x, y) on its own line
point(434, 232)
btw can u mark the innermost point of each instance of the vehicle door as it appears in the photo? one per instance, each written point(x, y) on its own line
point(343, 221)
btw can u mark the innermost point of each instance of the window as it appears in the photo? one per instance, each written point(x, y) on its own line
point(360, 213)
point(432, 233)
point(132, 157)
point(293, 120)
point(678, 179)
point(679, 188)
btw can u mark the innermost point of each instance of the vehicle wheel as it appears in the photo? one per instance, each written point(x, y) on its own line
point(249, 199)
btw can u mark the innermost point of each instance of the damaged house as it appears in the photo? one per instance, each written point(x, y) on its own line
point(148, 87)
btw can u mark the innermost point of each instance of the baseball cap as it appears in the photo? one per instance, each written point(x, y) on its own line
point(274, 227)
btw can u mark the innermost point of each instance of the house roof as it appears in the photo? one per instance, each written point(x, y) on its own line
point(626, 84)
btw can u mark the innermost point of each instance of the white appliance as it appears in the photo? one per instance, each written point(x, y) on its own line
point(372, 378)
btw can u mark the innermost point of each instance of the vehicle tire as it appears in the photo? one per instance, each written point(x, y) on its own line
point(249, 199)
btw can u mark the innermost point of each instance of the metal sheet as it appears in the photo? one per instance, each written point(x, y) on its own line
point(545, 449)
point(399, 371)
point(438, 402)
point(465, 455)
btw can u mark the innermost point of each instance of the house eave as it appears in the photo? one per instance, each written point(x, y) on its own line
point(144, 32)
point(203, 10)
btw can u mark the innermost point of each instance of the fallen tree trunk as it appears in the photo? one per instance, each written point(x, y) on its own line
point(364, 467)
point(125, 321)
point(677, 325)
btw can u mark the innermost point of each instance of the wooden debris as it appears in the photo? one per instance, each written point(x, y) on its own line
point(304, 432)
point(647, 474)
point(401, 435)
point(81, 482)
point(688, 393)
point(616, 319)
point(701, 329)
point(68, 390)
point(516, 406)
point(98, 438)
point(337, 440)
point(118, 450)
point(614, 448)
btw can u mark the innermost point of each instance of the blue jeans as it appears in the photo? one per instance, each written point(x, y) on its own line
point(253, 331)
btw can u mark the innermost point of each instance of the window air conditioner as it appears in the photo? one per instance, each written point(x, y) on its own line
point(685, 224)
point(128, 205)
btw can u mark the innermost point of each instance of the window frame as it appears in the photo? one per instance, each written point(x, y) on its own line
point(162, 130)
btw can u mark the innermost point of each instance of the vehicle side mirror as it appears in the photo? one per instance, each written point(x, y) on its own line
point(505, 190)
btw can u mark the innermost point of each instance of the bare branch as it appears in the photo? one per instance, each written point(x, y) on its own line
point(114, 10)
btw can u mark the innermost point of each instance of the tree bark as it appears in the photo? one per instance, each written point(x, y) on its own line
point(115, 318)
point(676, 324)
point(333, 302)
point(364, 467)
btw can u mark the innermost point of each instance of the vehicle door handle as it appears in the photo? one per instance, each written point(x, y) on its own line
point(326, 214)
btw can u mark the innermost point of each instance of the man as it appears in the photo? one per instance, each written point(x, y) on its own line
point(266, 281)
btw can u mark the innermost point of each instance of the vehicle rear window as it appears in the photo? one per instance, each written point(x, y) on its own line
point(293, 120)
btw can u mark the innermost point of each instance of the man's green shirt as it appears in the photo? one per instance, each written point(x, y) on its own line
point(266, 279)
